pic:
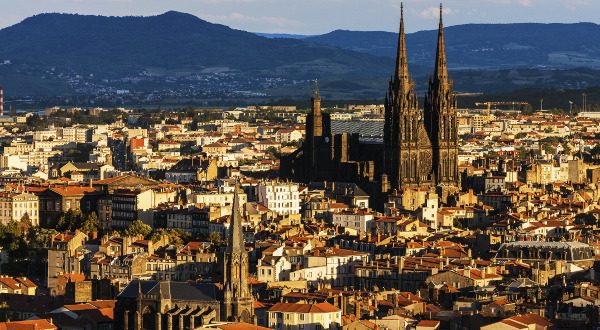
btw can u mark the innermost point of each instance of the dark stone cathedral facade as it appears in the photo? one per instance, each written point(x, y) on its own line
point(420, 145)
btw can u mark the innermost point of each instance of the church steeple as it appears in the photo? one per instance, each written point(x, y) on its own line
point(406, 144)
point(237, 304)
point(402, 77)
point(441, 68)
point(440, 117)
point(235, 241)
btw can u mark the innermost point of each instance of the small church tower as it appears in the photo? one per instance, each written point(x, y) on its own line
point(238, 303)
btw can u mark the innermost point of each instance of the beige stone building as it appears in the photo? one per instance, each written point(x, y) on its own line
point(16, 206)
point(305, 316)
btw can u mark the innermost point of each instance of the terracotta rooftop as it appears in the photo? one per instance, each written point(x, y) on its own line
point(323, 307)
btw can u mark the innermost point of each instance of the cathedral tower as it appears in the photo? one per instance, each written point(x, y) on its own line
point(407, 148)
point(440, 118)
point(318, 141)
point(238, 303)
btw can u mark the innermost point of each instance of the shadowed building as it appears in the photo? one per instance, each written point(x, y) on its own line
point(324, 156)
point(440, 118)
point(532, 251)
point(420, 146)
point(166, 305)
point(407, 145)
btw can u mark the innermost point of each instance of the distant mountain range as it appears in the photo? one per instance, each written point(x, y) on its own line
point(63, 53)
point(172, 41)
point(489, 46)
point(281, 35)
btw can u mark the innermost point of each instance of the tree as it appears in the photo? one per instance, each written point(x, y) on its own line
point(596, 151)
point(5, 314)
point(523, 153)
point(11, 236)
point(69, 220)
point(549, 149)
point(521, 135)
point(273, 153)
point(90, 223)
point(175, 236)
point(25, 226)
point(215, 239)
point(138, 228)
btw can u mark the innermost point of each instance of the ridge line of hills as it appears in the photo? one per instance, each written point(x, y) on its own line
point(80, 54)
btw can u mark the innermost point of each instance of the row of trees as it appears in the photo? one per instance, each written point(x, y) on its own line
point(21, 237)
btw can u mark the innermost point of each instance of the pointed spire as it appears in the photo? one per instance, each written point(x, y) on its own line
point(441, 69)
point(235, 240)
point(401, 58)
point(316, 105)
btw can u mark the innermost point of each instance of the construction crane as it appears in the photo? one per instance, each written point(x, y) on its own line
point(490, 104)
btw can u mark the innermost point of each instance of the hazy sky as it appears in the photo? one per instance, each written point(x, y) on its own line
point(320, 16)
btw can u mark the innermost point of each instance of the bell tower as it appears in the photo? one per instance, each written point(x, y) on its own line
point(238, 303)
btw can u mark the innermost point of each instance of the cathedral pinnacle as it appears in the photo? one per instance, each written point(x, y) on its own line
point(235, 240)
point(316, 94)
point(402, 77)
point(441, 69)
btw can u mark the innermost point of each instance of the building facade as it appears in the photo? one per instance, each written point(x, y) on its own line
point(282, 198)
point(19, 206)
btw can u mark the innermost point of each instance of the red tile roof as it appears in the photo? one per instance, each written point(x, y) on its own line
point(28, 325)
point(241, 326)
point(323, 307)
point(72, 190)
point(428, 323)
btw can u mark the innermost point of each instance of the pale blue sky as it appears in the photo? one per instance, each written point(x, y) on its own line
point(320, 16)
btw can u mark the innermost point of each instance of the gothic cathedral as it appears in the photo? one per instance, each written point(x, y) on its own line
point(420, 147)
point(420, 141)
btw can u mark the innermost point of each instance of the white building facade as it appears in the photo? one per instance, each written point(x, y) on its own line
point(282, 198)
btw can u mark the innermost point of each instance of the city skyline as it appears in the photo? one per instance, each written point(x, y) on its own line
point(313, 17)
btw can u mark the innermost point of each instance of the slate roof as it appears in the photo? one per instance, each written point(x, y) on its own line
point(171, 290)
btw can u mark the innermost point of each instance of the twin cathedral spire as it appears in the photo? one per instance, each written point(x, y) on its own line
point(420, 146)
